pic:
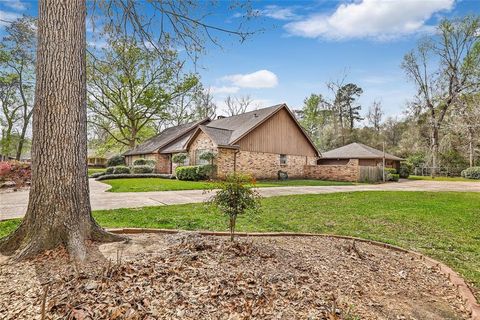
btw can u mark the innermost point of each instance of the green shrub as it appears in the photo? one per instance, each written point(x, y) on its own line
point(179, 158)
point(471, 173)
point(117, 160)
point(188, 173)
point(142, 169)
point(109, 170)
point(208, 156)
point(195, 173)
point(394, 177)
point(121, 170)
point(152, 163)
point(96, 175)
point(206, 171)
point(235, 197)
point(140, 162)
point(405, 170)
point(391, 170)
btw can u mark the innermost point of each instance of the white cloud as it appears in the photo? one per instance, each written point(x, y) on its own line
point(7, 17)
point(378, 19)
point(15, 4)
point(279, 13)
point(224, 90)
point(257, 79)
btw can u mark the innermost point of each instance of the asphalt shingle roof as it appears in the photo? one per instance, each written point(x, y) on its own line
point(223, 131)
point(165, 137)
point(357, 151)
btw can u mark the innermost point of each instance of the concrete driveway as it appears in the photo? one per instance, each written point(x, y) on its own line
point(14, 204)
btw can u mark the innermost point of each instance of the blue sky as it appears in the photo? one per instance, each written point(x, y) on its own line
point(308, 43)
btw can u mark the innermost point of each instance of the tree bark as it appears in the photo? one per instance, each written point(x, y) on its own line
point(59, 212)
point(434, 151)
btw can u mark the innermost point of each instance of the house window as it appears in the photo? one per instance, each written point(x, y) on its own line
point(283, 159)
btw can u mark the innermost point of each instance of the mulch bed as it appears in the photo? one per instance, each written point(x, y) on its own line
point(189, 276)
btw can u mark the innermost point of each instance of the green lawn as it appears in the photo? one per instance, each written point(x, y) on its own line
point(160, 184)
point(95, 170)
point(442, 178)
point(443, 225)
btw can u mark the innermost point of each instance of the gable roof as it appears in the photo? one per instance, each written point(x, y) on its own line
point(165, 137)
point(226, 132)
point(357, 151)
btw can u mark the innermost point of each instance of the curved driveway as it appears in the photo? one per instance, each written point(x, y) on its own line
point(14, 204)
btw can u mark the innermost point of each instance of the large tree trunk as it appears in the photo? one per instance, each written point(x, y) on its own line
point(59, 206)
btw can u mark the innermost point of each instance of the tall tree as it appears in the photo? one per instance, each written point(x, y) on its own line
point(237, 105)
point(10, 111)
point(314, 117)
point(443, 67)
point(20, 41)
point(205, 107)
point(131, 87)
point(375, 115)
point(347, 96)
point(59, 208)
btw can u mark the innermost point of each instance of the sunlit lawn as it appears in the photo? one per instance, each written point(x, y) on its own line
point(428, 178)
point(160, 184)
point(443, 225)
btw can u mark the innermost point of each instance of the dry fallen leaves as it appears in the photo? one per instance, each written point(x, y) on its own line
point(188, 276)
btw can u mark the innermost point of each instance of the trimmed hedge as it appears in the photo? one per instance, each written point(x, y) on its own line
point(145, 162)
point(127, 176)
point(394, 177)
point(195, 173)
point(117, 160)
point(117, 170)
point(96, 175)
point(142, 169)
point(471, 173)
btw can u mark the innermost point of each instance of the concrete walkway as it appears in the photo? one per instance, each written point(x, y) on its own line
point(14, 204)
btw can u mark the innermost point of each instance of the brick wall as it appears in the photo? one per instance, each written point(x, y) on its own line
point(201, 142)
point(261, 165)
point(163, 161)
point(348, 172)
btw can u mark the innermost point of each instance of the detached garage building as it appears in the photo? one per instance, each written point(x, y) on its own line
point(366, 156)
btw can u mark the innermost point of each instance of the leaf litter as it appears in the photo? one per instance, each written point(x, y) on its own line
point(189, 276)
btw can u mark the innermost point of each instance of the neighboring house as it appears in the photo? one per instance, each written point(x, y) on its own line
point(94, 159)
point(259, 142)
point(366, 156)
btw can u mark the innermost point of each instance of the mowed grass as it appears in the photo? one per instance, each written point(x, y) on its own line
point(160, 184)
point(442, 225)
point(428, 178)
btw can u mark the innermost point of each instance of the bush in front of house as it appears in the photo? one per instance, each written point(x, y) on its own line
point(142, 169)
point(188, 173)
point(140, 162)
point(117, 160)
point(179, 158)
point(117, 170)
point(121, 170)
point(394, 177)
point(195, 173)
point(97, 174)
point(208, 156)
point(471, 173)
point(206, 171)
point(405, 170)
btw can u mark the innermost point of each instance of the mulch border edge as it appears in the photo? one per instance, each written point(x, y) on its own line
point(463, 289)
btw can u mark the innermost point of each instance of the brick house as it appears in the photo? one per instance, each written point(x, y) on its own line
point(366, 156)
point(259, 142)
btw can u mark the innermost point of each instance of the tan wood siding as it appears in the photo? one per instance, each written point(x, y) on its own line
point(279, 134)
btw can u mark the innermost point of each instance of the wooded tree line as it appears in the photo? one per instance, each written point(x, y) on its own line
point(441, 126)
